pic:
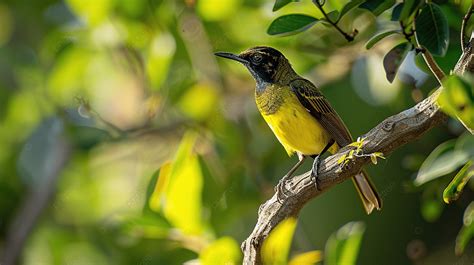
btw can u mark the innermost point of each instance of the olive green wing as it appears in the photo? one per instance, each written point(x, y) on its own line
point(318, 106)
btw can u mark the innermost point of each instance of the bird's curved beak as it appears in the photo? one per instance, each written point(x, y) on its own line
point(231, 56)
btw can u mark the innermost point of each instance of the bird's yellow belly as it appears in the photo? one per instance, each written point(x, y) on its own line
point(296, 129)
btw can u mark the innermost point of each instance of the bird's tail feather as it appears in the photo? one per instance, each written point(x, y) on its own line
point(367, 192)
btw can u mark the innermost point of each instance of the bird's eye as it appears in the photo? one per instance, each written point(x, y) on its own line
point(256, 58)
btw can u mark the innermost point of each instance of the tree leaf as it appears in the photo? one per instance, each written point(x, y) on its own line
point(307, 258)
point(393, 59)
point(377, 7)
point(291, 24)
point(457, 100)
point(467, 231)
point(456, 186)
point(407, 9)
point(281, 3)
point(276, 247)
point(442, 160)
point(222, 251)
point(397, 10)
point(378, 37)
point(43, 147)
point(183, 176)
point(432, 31)
point(348, 7)
point(342, 247)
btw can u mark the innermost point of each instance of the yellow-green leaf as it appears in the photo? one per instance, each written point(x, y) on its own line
point(307, 258)
point(467, 231)
point(223, 251)
point(182, 186)
point(342, 247)
point(159, 58)
point(92, 12)
point(455, 187)
point(160, 187)
point(457, 100)
point(276, 247)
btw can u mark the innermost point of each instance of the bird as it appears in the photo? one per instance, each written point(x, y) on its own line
point(299, 115)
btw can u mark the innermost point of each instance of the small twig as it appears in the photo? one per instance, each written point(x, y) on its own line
point(113, 130)
point(430, 61)
point(465, 19)
point(349, 37)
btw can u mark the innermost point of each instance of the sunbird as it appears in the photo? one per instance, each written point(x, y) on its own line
point(299, 115)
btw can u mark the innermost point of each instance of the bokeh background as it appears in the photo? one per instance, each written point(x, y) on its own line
point(124, 140)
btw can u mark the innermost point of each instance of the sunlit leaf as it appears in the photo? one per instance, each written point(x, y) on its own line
point(91, 11)
point(199, 101)
point(343, 246)
point(456, 186)
point(215, 10)
point(224, 251)
point(291, 24)
point(183, 182)
point(376, 38)
point(442, 160)
point(432, 30)
point(457, 100)
point(281, 3)
point(377, 7)
point(276, 247)
point(307, 258)
point(159, 58)
point(467, 231)
point(160, 187)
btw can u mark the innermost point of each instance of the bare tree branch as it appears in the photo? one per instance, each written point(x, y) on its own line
point(386, 137)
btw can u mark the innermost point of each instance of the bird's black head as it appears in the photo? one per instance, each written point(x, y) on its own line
point(263, 62)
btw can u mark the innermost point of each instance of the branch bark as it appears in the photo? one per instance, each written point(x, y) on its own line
point(386, 137)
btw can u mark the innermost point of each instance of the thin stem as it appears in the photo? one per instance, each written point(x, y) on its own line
point(430, 61)
point(465, 19)
point(349, 37)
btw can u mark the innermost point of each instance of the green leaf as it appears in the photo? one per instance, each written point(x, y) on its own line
point(342, 247)
point(225, 250)
point(182, 177)
point(281, 3)
point(407, 9)
point(467, 231)
point(457, 100)
point(44, 146)
point(397, 10)
point(276, 247)
point(377, 7)
point(442, 160)
point(432, 31)
point(348, 7)
point(393, 59)
point(291, 24)
point(307, 258)
point(378, 37)
point(456, 186)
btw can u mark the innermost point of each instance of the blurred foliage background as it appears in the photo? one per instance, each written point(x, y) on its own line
point(125, 141)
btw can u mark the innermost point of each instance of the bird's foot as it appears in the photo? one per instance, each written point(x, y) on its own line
point(314, 172)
